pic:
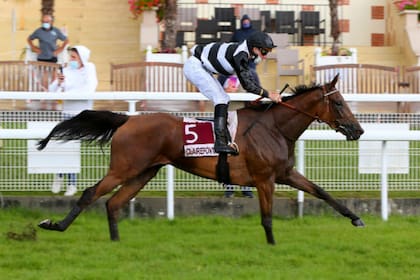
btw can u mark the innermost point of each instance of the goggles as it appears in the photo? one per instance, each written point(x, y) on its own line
point(264, 51)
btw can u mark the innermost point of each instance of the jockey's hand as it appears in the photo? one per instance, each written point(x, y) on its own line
point(274, 96)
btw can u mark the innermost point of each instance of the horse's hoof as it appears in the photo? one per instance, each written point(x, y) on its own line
point(48, 224)
point(358, 222)
point(45, 224)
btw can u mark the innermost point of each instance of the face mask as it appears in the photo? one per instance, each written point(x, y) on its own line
point(46, 25)
point(257, 60)
point(246, 25)
point(74, 64)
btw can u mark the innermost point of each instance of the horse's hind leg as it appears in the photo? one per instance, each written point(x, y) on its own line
point(122, 196)
point(89, 195)
point(298, 181)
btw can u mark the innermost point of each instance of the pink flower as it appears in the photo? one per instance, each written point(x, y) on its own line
point(407, 5)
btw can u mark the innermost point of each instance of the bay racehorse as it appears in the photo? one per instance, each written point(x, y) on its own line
point(141, 145)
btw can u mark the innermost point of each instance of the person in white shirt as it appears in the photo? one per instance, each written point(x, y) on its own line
point(78, 76)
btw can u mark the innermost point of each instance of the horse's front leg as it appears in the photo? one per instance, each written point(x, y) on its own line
point(265, 196)
point(298, 181)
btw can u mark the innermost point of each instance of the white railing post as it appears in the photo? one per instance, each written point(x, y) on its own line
point(132, 107)
point(384, 183)
point(301, 169)
point(132, 111)
point(170, 192)
point(132, 209)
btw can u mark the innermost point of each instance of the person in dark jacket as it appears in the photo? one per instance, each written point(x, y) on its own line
point(227, 59)
point(240, 35)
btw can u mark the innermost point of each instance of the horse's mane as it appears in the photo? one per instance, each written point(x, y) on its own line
point(298, 90)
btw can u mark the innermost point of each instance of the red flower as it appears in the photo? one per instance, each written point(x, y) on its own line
point(137, 7)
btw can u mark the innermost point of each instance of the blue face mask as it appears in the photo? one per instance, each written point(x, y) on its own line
point(246, 25)
point(46, 25)
point(73, 64)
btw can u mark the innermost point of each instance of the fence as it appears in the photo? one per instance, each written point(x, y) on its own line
point(149, 76)
point(369, 78)
point(26, 76)
point(335, 165)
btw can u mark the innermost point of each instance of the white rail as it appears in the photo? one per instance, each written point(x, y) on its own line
point(141, 95)
point(132, 97)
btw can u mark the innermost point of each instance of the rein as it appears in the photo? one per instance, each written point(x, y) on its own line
point(266, 109)
point(325, 94)
point(298, 110)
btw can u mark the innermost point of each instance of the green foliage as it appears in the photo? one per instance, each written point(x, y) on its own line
point(340, 52)
point(407, 5)
point(212, 247)
point(137, 7)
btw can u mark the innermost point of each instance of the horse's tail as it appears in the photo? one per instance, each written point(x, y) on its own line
point(88, 125)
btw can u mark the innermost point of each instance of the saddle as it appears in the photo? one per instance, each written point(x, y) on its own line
point(199, 135)
point(199, 142)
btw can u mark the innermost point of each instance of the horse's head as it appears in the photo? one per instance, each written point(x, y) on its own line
point(337, 114)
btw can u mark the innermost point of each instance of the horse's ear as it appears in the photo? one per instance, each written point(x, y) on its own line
point(334, 81)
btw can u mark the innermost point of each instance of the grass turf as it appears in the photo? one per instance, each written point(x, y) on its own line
point(211, 247)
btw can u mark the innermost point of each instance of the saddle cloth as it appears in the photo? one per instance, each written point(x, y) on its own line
point(199, 135)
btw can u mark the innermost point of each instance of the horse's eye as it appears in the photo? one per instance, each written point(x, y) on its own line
point(338, 103)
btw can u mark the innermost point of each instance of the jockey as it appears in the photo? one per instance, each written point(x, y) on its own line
point(227, 59)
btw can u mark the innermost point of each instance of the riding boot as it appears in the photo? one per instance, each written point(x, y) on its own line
point(221, 132)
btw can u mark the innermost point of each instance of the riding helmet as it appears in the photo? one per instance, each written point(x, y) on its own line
point(260, 39)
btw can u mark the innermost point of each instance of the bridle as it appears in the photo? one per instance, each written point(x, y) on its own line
point(315, 117)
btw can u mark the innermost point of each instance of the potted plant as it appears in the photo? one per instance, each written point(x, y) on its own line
point(409, 8)
point(177, 55)
point(404, 5)
point(331, 57)
point(165, 13)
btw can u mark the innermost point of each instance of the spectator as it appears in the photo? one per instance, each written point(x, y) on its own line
point(47, 36)
point(78, 76)
point(240, 35)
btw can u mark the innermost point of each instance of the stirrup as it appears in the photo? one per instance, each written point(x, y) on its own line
point(234, 146)
point(230, 148)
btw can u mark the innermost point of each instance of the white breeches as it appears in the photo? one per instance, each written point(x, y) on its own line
point(206, 83)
